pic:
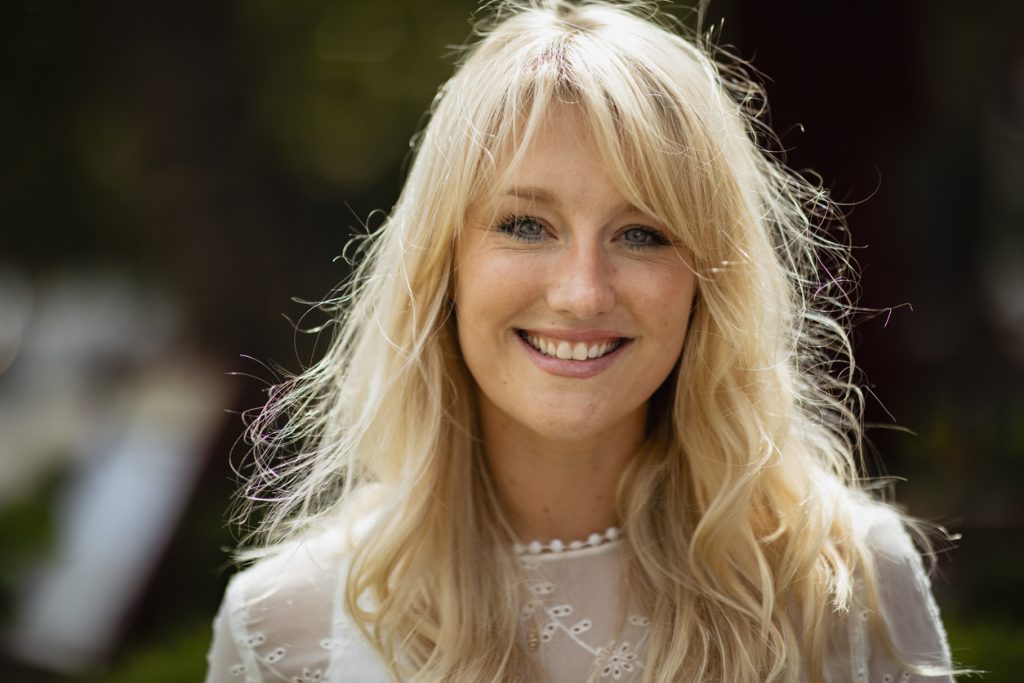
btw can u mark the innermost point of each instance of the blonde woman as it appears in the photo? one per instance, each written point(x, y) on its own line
point(589, 412)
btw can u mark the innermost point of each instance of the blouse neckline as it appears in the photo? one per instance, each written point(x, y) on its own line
point(537, 548)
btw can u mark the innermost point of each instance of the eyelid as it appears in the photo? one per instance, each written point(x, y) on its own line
point(509, 222)
point(659, 237)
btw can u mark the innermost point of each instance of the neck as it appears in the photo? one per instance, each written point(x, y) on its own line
point(557, 488)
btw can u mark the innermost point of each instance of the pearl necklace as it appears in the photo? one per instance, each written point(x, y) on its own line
point(556, 546)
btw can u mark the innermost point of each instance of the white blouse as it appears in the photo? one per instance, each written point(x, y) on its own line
point(283, 619)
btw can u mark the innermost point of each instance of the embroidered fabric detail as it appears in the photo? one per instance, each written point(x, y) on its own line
point(620, 661)
point(308, 676)
point(573, 635)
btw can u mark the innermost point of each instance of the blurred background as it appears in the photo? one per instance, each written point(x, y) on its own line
point(176, 175)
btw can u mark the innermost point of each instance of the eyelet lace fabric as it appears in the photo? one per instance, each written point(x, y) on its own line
point(580, 637)
point(283, 618)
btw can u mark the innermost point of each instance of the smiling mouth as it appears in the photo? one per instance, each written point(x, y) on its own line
point(567, 350)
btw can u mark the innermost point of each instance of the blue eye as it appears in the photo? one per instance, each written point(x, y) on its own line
point(522, 228)
point(639, 237)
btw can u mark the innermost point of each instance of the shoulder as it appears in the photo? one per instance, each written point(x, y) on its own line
point(305, 576)
point(884, 530)
point(313, 564)
point(884, 533)
point(897, 564)
point(285, 614)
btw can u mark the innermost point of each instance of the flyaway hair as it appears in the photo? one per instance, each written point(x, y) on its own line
point(742, 537)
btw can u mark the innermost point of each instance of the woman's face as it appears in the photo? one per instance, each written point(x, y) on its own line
point(572, 305)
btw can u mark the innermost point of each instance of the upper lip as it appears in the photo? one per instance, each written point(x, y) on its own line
point(571, 335)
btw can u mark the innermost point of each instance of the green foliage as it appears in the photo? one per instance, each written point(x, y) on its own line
point(26, 532)
point(994, 648)
point(338, 87)
point(179, 657)
point(182, 657)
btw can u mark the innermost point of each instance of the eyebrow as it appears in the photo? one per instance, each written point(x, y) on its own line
point(534, 194)
point(539, 194)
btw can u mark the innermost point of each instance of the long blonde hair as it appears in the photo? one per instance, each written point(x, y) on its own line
point(738, 514)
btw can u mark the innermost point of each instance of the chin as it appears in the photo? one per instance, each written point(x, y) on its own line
point(571, 428)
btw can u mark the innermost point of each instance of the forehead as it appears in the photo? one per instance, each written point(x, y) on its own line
point(552, 159)
point(558, 145)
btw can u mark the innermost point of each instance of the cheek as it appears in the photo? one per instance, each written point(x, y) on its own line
point(665, 303)
point(489, 300)
point(492, 290)
point(663, 298)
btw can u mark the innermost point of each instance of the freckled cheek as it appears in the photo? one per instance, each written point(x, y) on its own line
point(664, 305)
point(493, 293)
point(511, 285)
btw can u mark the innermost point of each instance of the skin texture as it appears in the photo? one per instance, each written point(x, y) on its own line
point(561, 251)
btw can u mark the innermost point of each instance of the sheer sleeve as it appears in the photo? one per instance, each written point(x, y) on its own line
point(908, 609)
point(231, 658)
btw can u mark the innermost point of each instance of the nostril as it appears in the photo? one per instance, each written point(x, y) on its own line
point(582, 296)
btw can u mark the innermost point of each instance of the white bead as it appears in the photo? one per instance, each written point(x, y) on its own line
point(557, 546)
point(594, 539)
point(612, 533)
point(535, 548)
point(576, 545)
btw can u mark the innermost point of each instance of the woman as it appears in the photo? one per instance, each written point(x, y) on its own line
point(589, 412)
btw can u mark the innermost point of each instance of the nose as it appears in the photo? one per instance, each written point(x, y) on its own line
point(581, 284)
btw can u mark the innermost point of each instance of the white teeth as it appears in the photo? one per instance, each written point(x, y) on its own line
point(569, 351)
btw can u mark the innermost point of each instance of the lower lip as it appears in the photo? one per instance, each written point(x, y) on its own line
point(579, 369)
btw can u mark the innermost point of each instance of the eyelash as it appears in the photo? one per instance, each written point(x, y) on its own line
point(511, 224)
point(656, 237)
